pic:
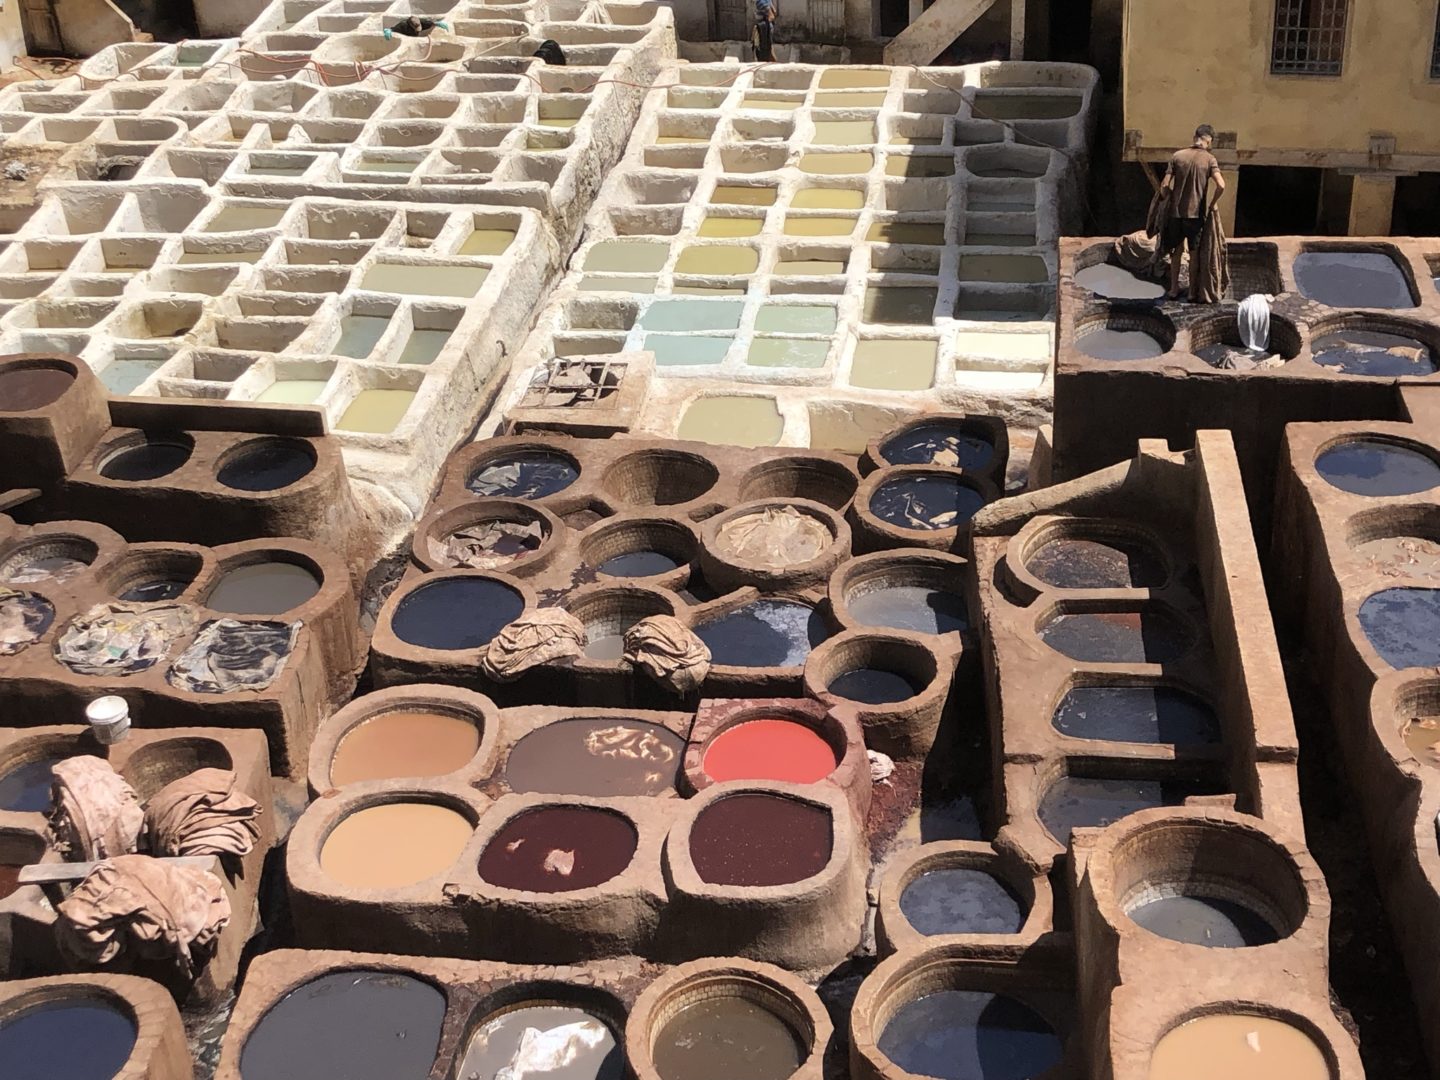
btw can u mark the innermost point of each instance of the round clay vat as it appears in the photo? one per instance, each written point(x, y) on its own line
point(917, 592)
point(795, 477)
point(1374, 360)
point(25, 769)
point(1378, 465)
point(405, 732)
point(1091, 554)
point(1124, 335)
point(738, 1018)
point(1135, 709)
point(762, 544)
point(71, 1031)
point(31, 383)
point(530, 471)
point(263, 582)
point(499, 1020)
point(1224, 330)
point(768, 632)
point(152, 574)
point(1119, 632)
point(959, 889)
point(264, 465)
point(1243, 1040)
point(608, 611)
point(657, 551)
point(452, 612)
point(597, 756)
point(1079, 792)
point(923, 506)
point(659, 477)
point(395, 841)
point(976, 444)
point(53, 557)
point(558, 848)
point(434, 546)
point(141, 456)
point(157, 764)
point(894, 685)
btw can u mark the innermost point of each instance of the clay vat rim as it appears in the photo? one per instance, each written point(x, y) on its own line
point(1391, 703)
point(867, 488)
point(45, 361)
point(108, 452)
point(790, 463)
point(1118, 316)
point(823, 724)
point(1247, 1006)
point(405, 590)
point(86, 548)
point(249, 446)
point(868, 642)
point(942, 568)
point(599, 535)
point(834, 551)
point(1385, 438)
point(161, 751)
point(995, 863)
point(1196, 636)
point(438, 527)
point(1084, 678)
point(409, 697)
point(673, 454)
point(226, 564)
point(1040, 532)
point(539, 803)
point(489, 455)
point(1292, 334)
point(138, 562)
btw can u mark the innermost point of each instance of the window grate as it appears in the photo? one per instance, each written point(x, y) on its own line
point(1435, 53)
point(1309, 37)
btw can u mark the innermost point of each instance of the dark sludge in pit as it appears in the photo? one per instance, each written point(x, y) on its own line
point(26, 788)
point(1378, 467)
point(873, 686)
point(263, 588)
point(638, 564)
point(968, 1034)
point(502, 1047)
point(1368, 352)
point(559, 849)
point(766, 633)
point(925, 502)
point(1403, 626)
point(72, 1037)
point(1074, 802)
point(910, 607)
point(154, 590)
point(1104, 343)
point(23, 389)
point(759, 839)
point(1073, 562)
point(1215, 922)
point(1139, 714)
point(526, 474)
point(455, 613)
point(1117, 637)
point(726, 1038)
point(1346, 279)
point(596, 757)
point(359, 1024)
point(961, 900)
point(156, 457)
point(269, 466)
point(938, 444)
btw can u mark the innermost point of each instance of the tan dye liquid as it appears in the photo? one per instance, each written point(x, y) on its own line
point(807, 267)
point(730, 227)
point(404, 744)
point(376, 412)
point(620, 257)
point(292, 391)
point(1238, 1048)
point(819, 226)
point(717, 259)
point(743, 195)
point(846, 78)
point(394, 845)
point(861, 100)
point(238, 218)
point(487, 242)
point(1423, 738)
point(907, 232)
point(733, 421)
point(425, 280)
point(828, 199)
point(920, 167)
point(843, 132)
point(894, 365)
point(836, 164)
point(749, 102)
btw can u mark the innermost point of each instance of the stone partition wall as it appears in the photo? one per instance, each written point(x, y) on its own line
point(1356, 539)
point(811, 254)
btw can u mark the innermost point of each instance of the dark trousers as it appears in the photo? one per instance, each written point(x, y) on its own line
point(764, 40)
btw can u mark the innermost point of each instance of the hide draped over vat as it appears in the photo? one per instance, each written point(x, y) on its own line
point(669, 652)
point(534, 638)
point(204, 813)
point(94, 813)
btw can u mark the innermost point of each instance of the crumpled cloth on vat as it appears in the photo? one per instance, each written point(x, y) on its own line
point(544, 1051)
point(121, 639)
point(777, 536)
point(229, 655)
point(488, 544)
point(204, 813)
point(1140, 254)
point(155, 909)
point(669, 652)
point(24, 618)
point(94, 813)
point(534, 638)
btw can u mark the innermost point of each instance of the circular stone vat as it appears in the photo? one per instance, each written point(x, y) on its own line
point(1212, 921)
point(951, 443)
point(145, 457)
point(359, 1024)
point(554, 849)
point(1379, 467)
point(964, 1034)
point(26, 387)
point(1117, 283)
point(414, 741)
point(152, 576)
point(1074, 802)
point(455, 613)
point(271, 587)
point(765, 633)
point(1097, 562)
point(70, 1037)
point(1352, 278)
point(637, 549)
point(774, 537)
point(760, 839)
point(591, 1049)
point(55, 558)
point(927, 502)
point(1106, 343)
point(769, 748)
point(1151, 635)
point(484, 536)
point(817, 479)
point(961, 900)
point(25, 787)
point(726, 1037)
point(1373, 353)
point(158, 764)
point(394, 844)
point(524, 474)
point(599, 757)
point(659, 478)
point(608, 613)
point(911, 607)
point(873, 686)
point(1403, 626)
point(1139, 714)
point(266, 464)
point(1238, 1046)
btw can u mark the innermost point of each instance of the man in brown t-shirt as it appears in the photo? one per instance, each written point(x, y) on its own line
point(1188, 176)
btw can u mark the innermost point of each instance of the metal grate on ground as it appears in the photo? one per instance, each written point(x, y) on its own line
point(1309, 37)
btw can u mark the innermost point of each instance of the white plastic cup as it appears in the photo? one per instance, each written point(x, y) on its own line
point(109, 719)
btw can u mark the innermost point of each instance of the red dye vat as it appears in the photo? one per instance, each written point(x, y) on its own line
point(769, 749)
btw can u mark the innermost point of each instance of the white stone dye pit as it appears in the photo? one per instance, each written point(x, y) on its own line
point(848, 245)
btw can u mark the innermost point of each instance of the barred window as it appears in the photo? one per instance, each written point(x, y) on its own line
point(1309, 37)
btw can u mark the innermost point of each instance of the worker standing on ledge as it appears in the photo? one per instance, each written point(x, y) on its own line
point(1187, 180)
point(766, 12)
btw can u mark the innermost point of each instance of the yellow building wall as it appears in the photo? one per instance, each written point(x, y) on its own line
point(1188, 63)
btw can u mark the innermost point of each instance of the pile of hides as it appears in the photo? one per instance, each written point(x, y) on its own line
point(534, 638)
point(669, 652)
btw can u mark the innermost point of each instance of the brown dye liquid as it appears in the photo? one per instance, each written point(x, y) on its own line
point(841, 78)
point(267, 588)
point(1238, 1048)
point(596, 757)
point(730, 227)
point(819, 226)
point(907, 232)
point(844, 132)
point(404, 743)
point(894, 365)
point(558, 849)
point(394, 845)
point(862, 99)
point(717, 260)
point(828, 199)
point(836, 164)
point(743, 195)
point(925, 167)
point(26, 388)
point(760, 840)
point(726, 1038)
